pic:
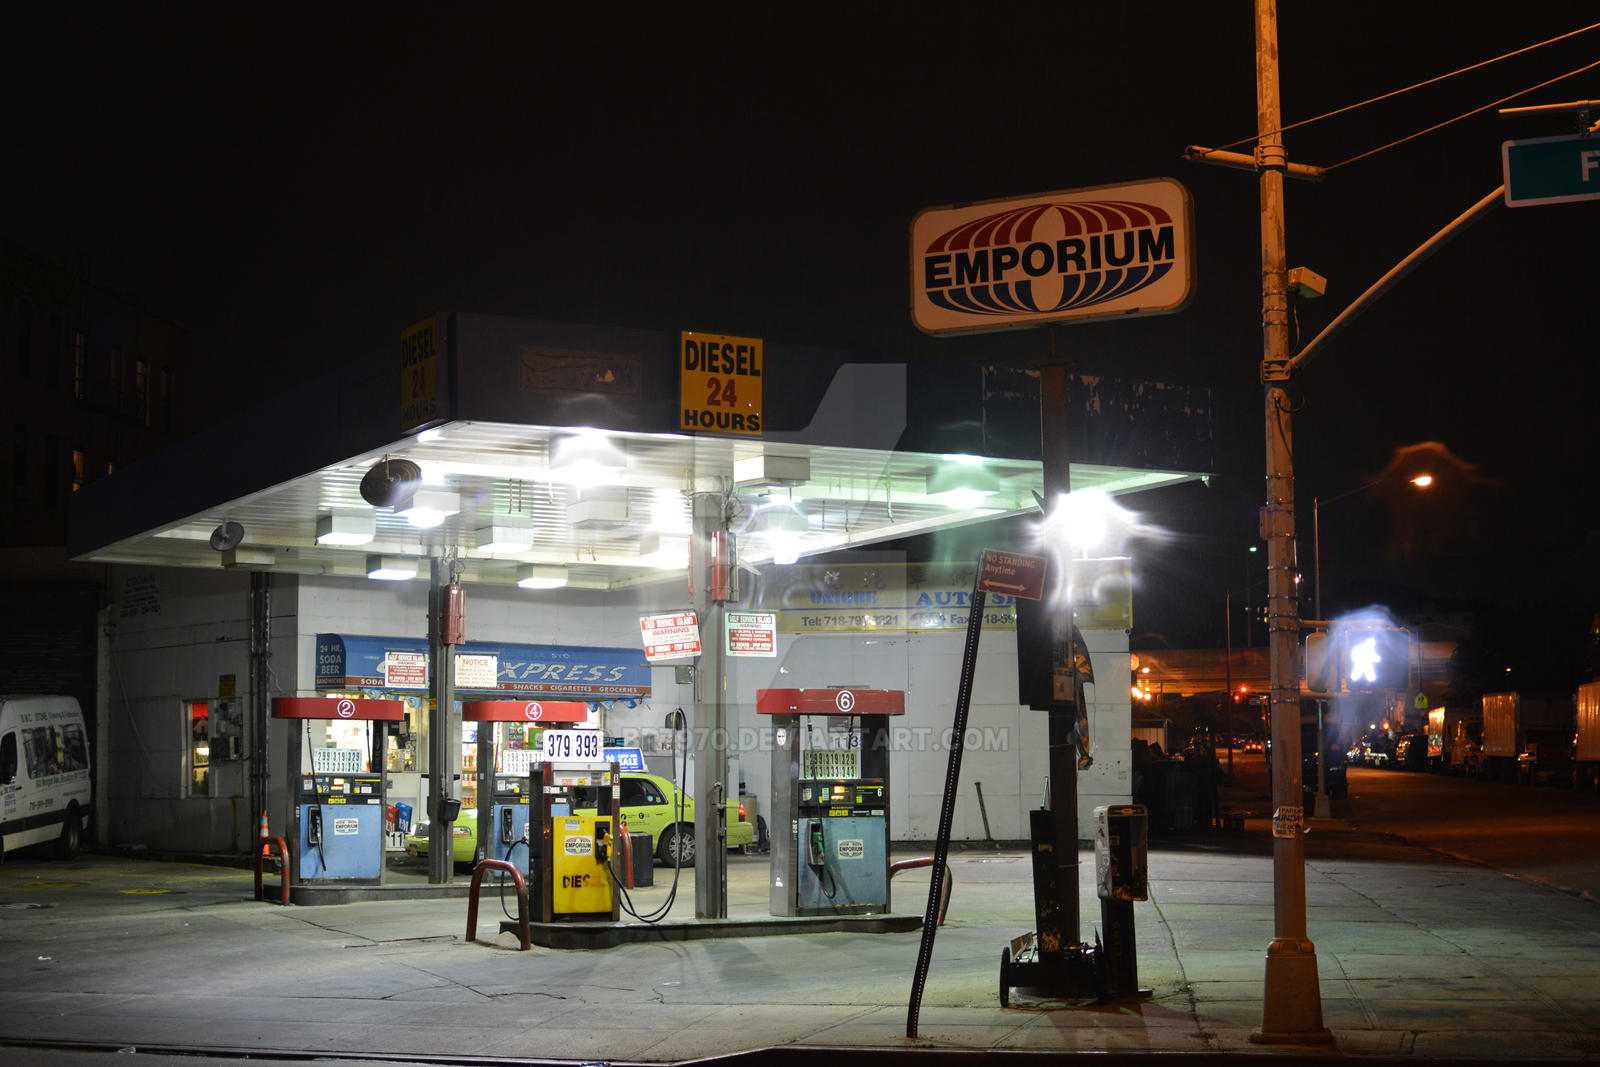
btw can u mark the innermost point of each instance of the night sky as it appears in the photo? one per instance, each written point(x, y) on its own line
point(296, 183)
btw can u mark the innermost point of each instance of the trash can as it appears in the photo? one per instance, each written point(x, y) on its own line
point(643, 861)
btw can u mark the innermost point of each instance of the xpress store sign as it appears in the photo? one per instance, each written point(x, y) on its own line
point(1111, 250)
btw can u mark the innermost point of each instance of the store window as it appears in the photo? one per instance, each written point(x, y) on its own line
point(197, 776)
point(79, 463)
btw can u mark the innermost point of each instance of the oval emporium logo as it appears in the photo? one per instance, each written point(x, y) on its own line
point(1113, 250)
point(845, 701)
point(533, 711)
point(345, 709)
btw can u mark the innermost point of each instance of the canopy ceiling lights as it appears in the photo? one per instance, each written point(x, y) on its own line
point(961, 484)
point(599, 509)
point(426, 508)
point(248, 558)
point(664, 551)
point(758, 471)
point(784, 526)
point(346, 528)
point(541, 576)
point(506, 533)
point(585, 457)
point(391, 568)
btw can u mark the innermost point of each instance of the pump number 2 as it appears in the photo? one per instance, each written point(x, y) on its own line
point(572, 744)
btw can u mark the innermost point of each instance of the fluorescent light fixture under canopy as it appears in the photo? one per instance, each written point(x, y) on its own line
point(541, 576)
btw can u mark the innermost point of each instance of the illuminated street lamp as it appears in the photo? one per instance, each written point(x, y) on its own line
point(1421, 481)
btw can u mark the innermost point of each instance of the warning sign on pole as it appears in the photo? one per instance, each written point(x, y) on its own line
point(674, 636)
point(751, 633)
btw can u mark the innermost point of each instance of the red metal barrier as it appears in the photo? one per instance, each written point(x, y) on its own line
point(522, 900)
point(266, 846)
point(927, 861)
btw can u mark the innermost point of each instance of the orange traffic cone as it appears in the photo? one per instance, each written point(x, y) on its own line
point(265, 833)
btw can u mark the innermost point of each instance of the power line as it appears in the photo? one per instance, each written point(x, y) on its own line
point(1424, 84)
point(1463, 115)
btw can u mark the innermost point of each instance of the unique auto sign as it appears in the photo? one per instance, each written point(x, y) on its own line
point(1110, 250)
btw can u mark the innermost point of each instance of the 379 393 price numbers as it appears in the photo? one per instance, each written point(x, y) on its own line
point(572, 744)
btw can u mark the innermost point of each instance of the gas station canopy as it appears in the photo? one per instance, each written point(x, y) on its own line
point(553, 454)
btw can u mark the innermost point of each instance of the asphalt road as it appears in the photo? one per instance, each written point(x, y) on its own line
point(1546, 834)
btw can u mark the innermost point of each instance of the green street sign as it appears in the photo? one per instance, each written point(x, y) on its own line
point(1551, 170)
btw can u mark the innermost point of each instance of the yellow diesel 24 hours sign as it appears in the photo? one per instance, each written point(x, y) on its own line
point(720, 383)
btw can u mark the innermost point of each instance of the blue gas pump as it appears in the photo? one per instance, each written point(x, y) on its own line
point(504, 823)
point(834, 801)
point(508, 819)
point(842, 864)
point(339, 799)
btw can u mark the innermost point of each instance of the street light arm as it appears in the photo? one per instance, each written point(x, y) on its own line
point(1398, 271)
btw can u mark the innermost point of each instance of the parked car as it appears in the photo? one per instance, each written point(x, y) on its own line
point(649, 803)
point(1411, 753)
point(1338, 784)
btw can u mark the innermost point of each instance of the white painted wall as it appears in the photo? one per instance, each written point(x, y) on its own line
point(173, 634)
point(1006, 748)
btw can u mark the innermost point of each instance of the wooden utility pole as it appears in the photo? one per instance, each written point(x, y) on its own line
point(1291, 1008)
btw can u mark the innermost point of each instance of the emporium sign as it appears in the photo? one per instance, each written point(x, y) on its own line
point(1110, 250)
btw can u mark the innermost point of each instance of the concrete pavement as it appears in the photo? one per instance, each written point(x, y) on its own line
point(1419, 957)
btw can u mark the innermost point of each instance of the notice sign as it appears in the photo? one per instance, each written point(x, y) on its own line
point(674, 636)
point(405, 670)
point(751, 633)
point(1012, 574)
point(477, 671)
point(720, 383)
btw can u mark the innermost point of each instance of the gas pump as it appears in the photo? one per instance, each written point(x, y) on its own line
point(571, 833)
point(339, 800)
point(830, 806)
point(505, 825)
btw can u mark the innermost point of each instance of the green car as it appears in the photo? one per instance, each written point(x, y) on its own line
point(649, 804)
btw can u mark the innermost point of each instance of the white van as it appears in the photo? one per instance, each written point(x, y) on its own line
point(44, 773)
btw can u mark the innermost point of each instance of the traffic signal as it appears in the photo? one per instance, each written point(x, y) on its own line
point(1375, 657)
point(1322, 663)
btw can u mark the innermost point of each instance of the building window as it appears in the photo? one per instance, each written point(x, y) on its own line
point(141, 389)
point(24, 338)
point(167, 386)
point(79, 462)
point(52, 362)
point(19, 462)
point(52, 470)
point(197, 769)
point(80, 365)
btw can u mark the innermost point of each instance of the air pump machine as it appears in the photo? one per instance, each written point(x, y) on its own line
point(830, 806)
point(503, 771)
point(339, 799)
